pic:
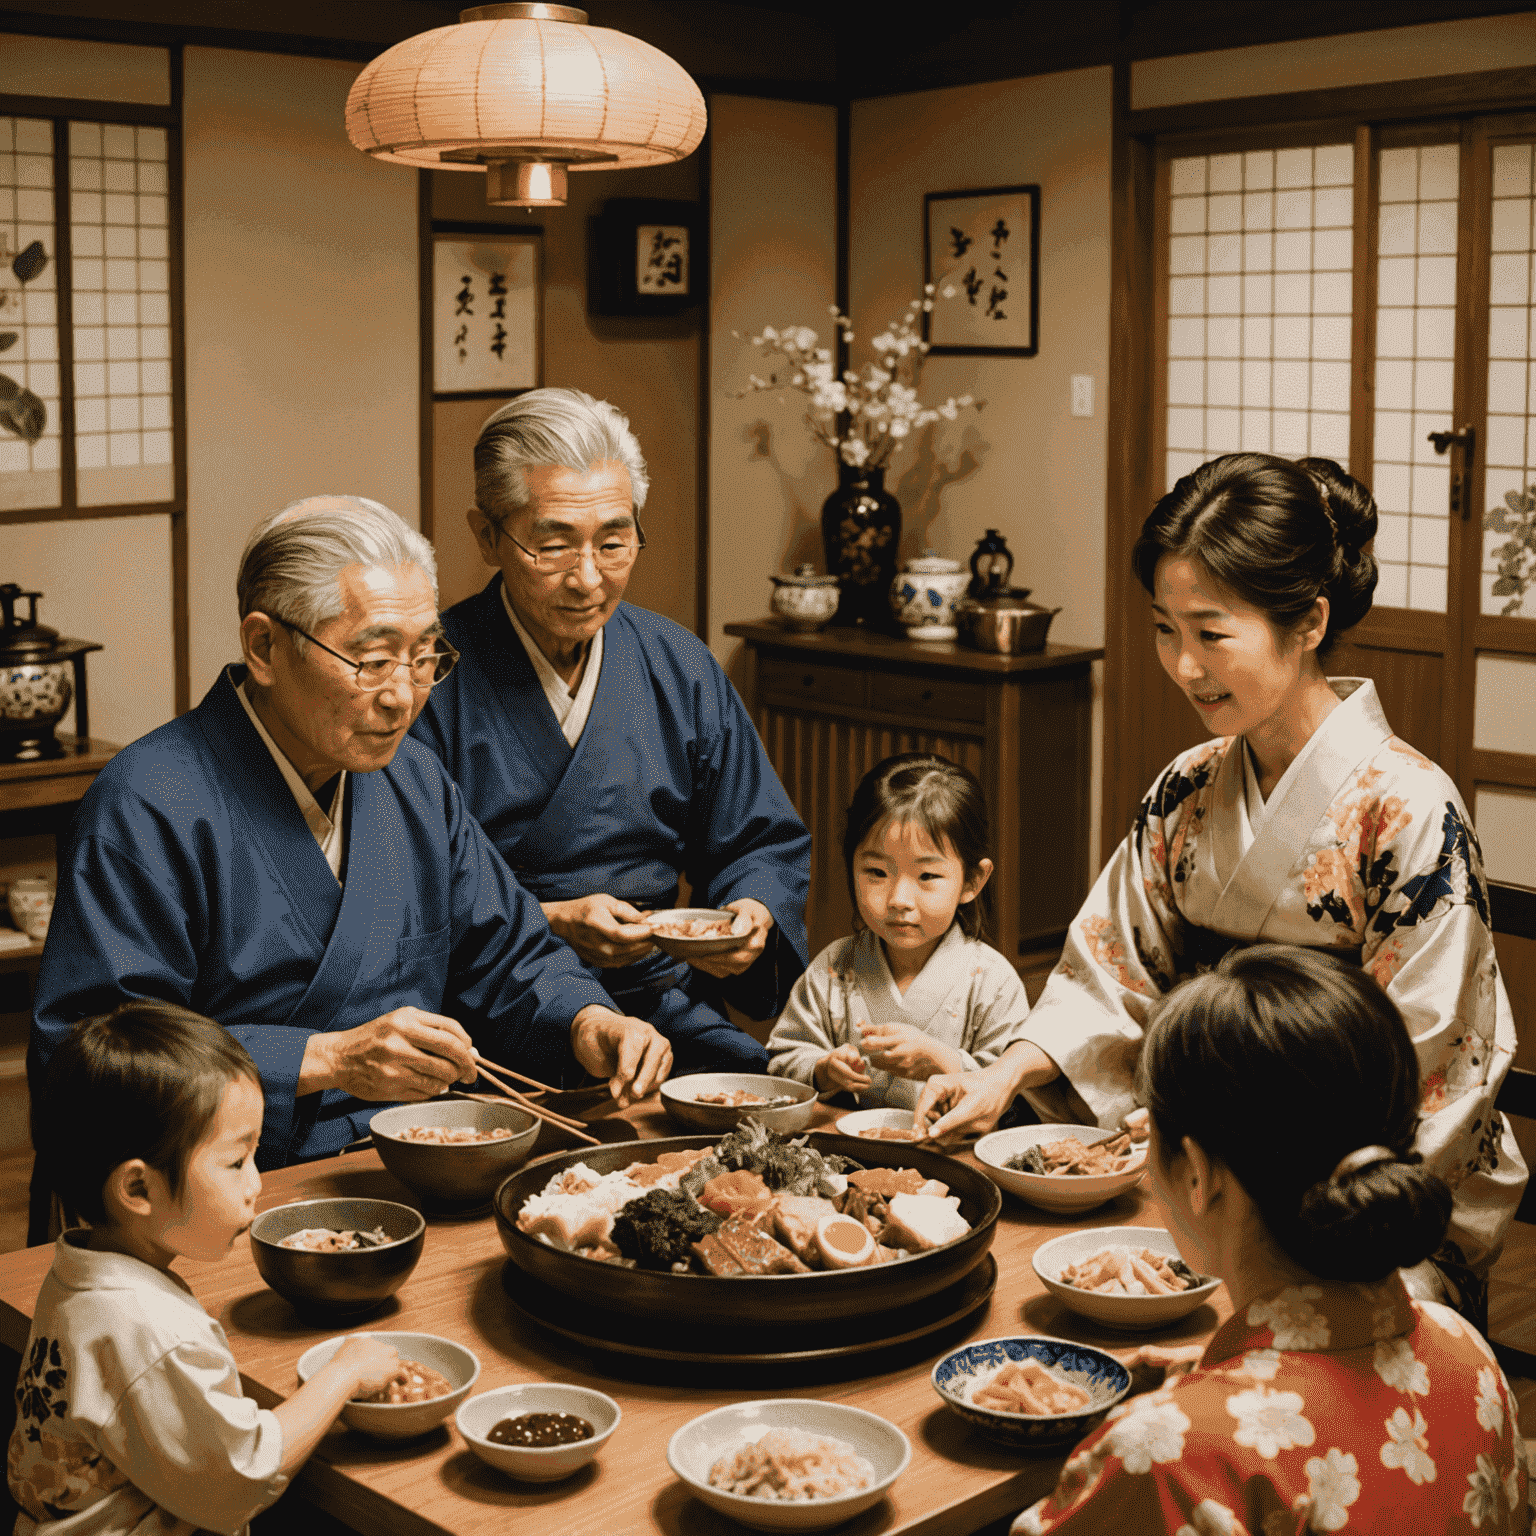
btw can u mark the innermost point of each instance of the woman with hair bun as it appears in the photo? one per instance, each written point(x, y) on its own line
point(1304, 822)
point(1283, 1097)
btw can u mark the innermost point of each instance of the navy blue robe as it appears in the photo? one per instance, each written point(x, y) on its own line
point(191, 876)
point(667, 777)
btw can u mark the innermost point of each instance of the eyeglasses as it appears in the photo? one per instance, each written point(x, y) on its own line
point(373, 673)
point(616, 553)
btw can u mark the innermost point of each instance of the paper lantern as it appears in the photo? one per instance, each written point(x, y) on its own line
point(525, 92)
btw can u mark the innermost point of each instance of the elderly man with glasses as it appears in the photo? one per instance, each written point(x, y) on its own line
point(602, 747)
point(283, 860)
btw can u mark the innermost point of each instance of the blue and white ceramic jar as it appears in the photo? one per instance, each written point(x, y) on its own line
point(924, 594)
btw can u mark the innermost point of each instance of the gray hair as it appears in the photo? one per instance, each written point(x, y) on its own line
point(557, 428)
point(292, 564)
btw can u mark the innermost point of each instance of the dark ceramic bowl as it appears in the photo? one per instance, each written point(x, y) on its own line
point(338, 1284)
point(757, 1301)
point(464, 1174)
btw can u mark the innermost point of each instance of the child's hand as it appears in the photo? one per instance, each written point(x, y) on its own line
point(368, 1360)
point(842, 1069)
point(907, 1052)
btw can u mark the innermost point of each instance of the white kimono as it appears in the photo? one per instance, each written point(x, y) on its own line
point(1365, 847)
point(967, 996)
point(130, 1415)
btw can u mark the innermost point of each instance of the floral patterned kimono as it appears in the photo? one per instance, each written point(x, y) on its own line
point(1325, 1407)
point(1365, 847)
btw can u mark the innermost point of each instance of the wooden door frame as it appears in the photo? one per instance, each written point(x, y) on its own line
point(1362, 113)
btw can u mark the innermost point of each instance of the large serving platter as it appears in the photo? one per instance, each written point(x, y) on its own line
point(752, 1300)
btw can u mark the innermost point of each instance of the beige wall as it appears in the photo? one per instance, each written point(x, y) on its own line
point(648, 367)
point(773, 185)
point(302, 333)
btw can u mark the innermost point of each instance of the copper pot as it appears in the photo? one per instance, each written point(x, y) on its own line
point(1006, 623)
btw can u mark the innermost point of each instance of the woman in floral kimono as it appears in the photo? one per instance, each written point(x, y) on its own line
point(1284, 1096)
point(1305, 822)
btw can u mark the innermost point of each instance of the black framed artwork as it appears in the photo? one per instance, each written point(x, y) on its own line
point(981, 252)
point(645, 258)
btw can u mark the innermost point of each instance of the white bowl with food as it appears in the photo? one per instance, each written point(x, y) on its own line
point(454, 1151)
point(716, 1102)
point(435, 1377)
point(869, 1123)
point(1067, 1192)
point(687, 932)
point(794, 1446)
point(519, 1417)
point(1116, 1259)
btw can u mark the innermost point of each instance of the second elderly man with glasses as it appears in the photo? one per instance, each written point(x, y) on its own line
point(284, 861)
point(602, 747)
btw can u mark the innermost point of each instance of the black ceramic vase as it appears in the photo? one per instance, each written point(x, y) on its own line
point(861, 533)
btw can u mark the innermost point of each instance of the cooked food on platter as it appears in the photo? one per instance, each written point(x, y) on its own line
point(412, 1383)
point(1120, 1270)
point(670, 927)
point(1025, 1386)
point(1070, 1156)
point(757, 1203)
point(739, 1098)
point(791, 1464)
point(452, 1135)
point(325, 1240)
point(540, 1429)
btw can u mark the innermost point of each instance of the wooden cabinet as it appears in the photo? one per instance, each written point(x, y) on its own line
point(831, 705)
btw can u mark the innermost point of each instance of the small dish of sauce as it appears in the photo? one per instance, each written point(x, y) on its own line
point(541, 1429)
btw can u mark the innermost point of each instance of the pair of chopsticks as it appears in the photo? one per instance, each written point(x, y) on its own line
point(494, 1076)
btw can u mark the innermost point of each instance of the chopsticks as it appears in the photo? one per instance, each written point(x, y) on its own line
point(561, 1122)
point(529, 1082)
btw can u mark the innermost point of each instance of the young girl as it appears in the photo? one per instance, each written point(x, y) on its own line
point(915, 991)
point(129, 1402)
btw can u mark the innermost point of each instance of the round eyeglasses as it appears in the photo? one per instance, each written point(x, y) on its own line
point(615, 553)
point(373, 673)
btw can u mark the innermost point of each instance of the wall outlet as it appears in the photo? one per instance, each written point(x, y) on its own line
point(1082, 394)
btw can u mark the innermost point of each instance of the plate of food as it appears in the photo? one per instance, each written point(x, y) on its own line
point(1128, 1277)
point(687, 932)
point(1063, 1167)
point(1031, 1390)
point(717, 1102)
point(750, 1228)
point(881, 1125)
point(789, 1464)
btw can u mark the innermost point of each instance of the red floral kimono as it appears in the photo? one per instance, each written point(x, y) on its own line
point(1324, 1407)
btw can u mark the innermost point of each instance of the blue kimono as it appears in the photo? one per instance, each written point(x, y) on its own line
point(668, 776)
point(191, 876)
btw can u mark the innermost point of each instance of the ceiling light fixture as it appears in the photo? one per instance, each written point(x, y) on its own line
point(525, 92)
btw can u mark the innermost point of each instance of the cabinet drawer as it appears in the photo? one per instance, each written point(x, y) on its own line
point(813, 683)
point(928, 697)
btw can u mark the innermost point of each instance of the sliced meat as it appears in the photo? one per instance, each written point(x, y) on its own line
point(716, 1257)
point(887, 1181)
point(756, 1252)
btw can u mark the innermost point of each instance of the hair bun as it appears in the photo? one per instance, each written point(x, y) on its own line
point(1365, 1224)
point(1352, 510)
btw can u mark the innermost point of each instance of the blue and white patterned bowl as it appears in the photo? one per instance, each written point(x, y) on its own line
point(1103, 1377)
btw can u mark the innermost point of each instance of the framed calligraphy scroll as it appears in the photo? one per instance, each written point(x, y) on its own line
point(487, 303)
point(646, 258)
point(981, 252)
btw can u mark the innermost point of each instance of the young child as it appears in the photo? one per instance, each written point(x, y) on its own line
point(129, 1403)
point(915, 991)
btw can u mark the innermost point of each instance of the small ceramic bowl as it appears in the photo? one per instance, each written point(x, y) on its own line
point(864, 1120)
point(1135, 1312)
point(689, 949)
point(679, 1097)
point(700, 1443)
point(333, 1285)
point(467, 1173)
point(403, 1421)
point(1103, 1377)
point(478, 1416)
point(1052, 1191)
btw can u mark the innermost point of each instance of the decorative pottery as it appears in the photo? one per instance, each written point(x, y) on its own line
point(806, 600)
point(30, 899)
point(35, 689)
point(924, 595)
point(861, 532)
point(991, 566)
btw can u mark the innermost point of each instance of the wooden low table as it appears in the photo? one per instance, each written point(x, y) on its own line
point(958, 1480)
